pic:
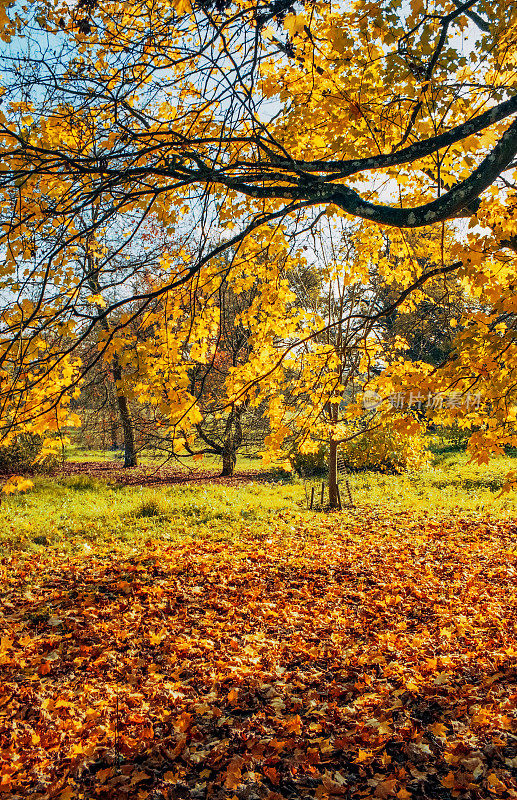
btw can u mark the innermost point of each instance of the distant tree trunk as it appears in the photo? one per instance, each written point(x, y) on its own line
point(130, 457)
point(114, 430)
point(232, 441)
point(332, 461)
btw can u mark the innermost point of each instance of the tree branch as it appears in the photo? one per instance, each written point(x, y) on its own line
point(443, 207)
point(479, 21)
point(408, 154)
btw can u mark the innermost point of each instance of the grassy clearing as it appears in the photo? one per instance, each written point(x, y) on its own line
point(450, 485)
point(146, 457)
point(81, 514)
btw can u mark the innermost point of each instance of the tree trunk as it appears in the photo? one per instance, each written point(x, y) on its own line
point(130, 458)
point(232, 441)
point(114, 431)
point(229, 462)
point(333, 477)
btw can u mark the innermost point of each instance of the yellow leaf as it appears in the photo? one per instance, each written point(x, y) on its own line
point(438, 729)
point(156, 638)
point(17, 484)
point(98, 300)
point(294, 24)
point(233, 773)
point(384, 728)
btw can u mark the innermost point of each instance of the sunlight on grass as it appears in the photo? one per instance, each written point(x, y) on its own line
point(450, 484)
point(69, 513)
point(79, 513)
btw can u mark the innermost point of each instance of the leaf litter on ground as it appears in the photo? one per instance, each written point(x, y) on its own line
point(355, 655)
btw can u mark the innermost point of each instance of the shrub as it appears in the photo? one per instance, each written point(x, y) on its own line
point(20, 455)
point(455, 437)
point(307, 464)
point(152, 507)
point(385, 449)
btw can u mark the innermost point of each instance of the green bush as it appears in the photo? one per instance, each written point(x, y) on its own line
point(307, 464)
point(453, 436)
point(19, 456)
point(384, 449)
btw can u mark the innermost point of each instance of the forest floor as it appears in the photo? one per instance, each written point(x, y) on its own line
point(220, 641)
point(155, 475)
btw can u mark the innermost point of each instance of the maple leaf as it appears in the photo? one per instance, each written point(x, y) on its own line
point(335, 785)
point(495, 784)
point(233, 694)
point(439, 729)
point(17, 484)
point(294, 23)
point(449, 781)
point(233, 776)
point(294, 725)
point(273, 775)
point(386, 788)
point(158, 637)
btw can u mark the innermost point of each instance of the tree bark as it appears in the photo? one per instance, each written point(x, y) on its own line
point(232, 442)
point(229, 462)
point(114, 431)
point(130, 456)
point(333, 476)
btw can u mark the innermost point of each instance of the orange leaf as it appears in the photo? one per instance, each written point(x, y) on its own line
point(294, 725)
point(233, 773)
point(183, 722)
point(448, 781)
point(272, 774)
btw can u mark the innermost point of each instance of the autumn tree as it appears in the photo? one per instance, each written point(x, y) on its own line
point(232, 117)
point(227, 426)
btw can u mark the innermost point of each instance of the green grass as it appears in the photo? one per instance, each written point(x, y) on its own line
point(80, 514)
point(210, 462)
point(450, 484)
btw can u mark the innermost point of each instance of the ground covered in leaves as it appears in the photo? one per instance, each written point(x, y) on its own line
point(152, 475)
point(353, 656)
